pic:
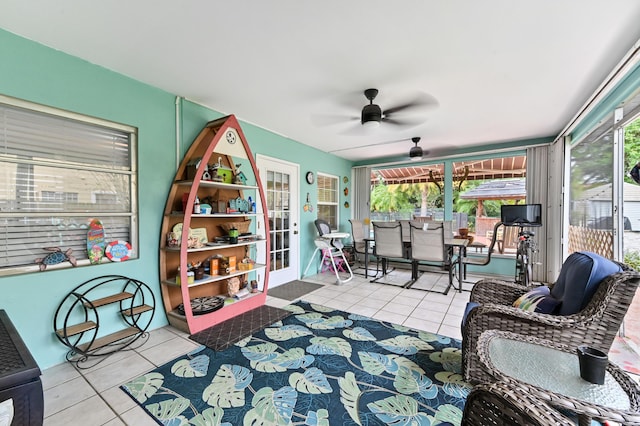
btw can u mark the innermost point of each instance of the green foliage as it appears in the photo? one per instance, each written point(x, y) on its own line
point(631, 148)
point(401, 197)
point(632, 259)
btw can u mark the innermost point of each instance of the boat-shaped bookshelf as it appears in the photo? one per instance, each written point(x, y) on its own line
point(217, 187)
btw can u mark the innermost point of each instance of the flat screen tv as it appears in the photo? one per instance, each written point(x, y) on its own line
point(521, 215)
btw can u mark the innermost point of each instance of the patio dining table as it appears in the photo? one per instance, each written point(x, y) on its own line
point(452, 244)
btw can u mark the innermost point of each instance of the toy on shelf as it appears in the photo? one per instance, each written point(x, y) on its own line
point(238, 177)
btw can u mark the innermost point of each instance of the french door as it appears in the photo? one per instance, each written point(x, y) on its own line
point(280, 182)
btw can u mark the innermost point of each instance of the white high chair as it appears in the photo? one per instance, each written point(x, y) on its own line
point(330, 253)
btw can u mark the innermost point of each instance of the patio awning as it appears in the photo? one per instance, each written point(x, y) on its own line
point(495, 168)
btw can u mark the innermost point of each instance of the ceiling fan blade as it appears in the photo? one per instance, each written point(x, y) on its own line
point(404, 122)
point(368, 145)
point(324, 120)
point(420, 102)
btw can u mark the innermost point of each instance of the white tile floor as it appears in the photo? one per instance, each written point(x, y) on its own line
point(92, 397)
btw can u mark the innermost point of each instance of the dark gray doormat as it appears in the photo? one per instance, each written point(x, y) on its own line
point(221, 336)
point(293, 290)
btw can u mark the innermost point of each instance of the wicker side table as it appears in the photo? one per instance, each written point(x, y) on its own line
point(19, 376)
point(550, 372)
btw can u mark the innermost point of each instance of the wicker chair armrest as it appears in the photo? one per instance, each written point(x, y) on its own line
point(503, 403)
point(503, 315)
point(496, 291)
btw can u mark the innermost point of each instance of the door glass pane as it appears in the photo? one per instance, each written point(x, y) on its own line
point(278, 199)
point(631, 197)
point(270, 180)
point(591, 192)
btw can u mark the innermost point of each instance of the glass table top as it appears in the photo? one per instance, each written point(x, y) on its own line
point(555, 371)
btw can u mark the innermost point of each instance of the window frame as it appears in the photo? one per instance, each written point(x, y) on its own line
point(126, 218)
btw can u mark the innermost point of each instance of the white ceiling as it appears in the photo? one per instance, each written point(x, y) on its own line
point(500, 70)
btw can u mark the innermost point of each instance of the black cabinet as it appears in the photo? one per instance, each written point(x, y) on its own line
point(19, 376)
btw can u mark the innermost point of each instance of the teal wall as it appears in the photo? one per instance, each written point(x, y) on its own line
point(39, 74)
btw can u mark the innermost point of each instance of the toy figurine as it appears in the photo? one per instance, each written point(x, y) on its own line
point(56, 256)
point(239, 178)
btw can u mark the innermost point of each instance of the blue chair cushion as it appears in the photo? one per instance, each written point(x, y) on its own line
point(468, 309)
point(537, 300)
point(579, 278)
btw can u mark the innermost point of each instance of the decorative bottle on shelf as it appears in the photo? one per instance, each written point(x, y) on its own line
point(196, 206)
point(233, 235)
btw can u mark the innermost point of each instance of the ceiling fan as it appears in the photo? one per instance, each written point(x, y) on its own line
point(372, 115)
point(405, 114)
point(415, 153)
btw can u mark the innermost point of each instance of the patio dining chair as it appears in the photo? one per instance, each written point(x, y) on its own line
point(427, 246)
point(389, 245)
point(508, 239)
point(359, 244)
point(481, 261)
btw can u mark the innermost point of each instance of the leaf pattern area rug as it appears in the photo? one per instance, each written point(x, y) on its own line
point(318, 366)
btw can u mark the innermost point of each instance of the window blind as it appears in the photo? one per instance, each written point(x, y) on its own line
point(59, 170)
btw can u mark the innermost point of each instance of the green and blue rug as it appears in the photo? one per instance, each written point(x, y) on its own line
point(318, 366)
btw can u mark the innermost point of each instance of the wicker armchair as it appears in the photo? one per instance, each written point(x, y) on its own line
point(507, 404)
point(595, 325)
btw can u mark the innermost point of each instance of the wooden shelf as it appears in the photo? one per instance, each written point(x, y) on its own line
point(213, 278)
point(109, 299)
point(136, 310)
point(212, 184)
point(76, 329)
point(175, 314)
point(109, 339)
point(217, 215)
point(215, 247)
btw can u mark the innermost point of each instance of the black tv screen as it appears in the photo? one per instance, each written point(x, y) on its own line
point(521, 215)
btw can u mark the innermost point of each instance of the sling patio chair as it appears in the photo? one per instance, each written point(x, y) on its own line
point(389, 246)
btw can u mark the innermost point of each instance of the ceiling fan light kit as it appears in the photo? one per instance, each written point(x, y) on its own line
point(415, 153)
point(371, 114)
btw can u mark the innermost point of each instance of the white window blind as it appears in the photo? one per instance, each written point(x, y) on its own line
point(328, 198)
point(59, 170)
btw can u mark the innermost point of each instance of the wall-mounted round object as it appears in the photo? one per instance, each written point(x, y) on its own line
point(310, 178)
point(118, 251)
point(230, 135)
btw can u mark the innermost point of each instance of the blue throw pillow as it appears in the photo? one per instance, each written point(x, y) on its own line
point(579, 278)
point(537, 300)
